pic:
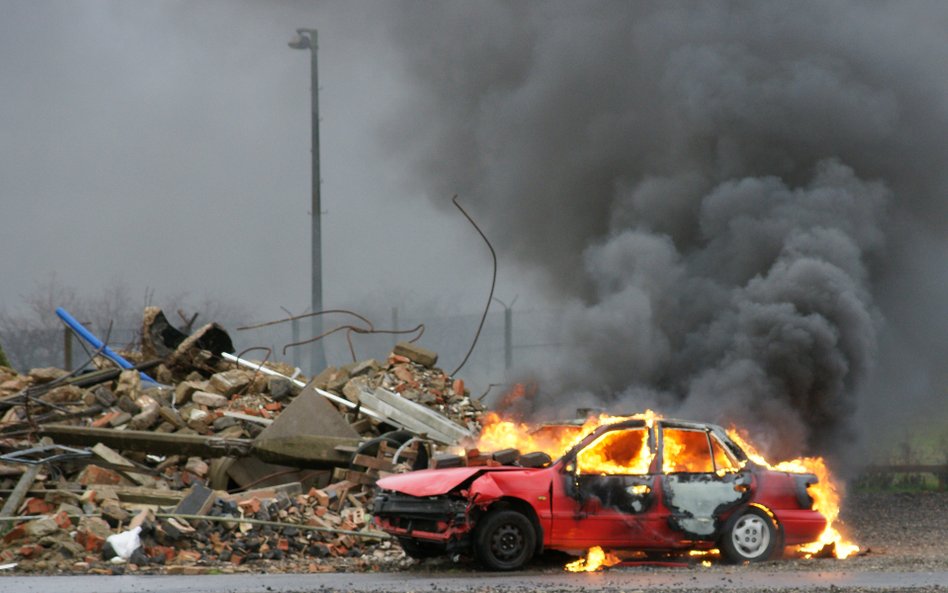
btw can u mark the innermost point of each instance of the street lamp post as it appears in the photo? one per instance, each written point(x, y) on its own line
point(306, 39)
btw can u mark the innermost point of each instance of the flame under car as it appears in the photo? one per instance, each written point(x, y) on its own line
point(640, 485)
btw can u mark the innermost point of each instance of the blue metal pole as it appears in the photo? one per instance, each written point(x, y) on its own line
point(97, 343)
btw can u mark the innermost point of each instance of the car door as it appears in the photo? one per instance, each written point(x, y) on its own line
point(701, 480)
point(607, 491)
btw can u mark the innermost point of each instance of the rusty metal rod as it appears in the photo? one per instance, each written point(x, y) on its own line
point(366, 534)
point(493, 283)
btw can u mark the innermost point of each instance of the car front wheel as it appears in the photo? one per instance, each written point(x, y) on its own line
point(504, 540)
point(750, 536)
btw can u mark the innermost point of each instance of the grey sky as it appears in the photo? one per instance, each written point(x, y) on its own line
point(167, 144)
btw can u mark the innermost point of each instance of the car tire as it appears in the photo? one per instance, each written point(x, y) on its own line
point(504, 540)
point(750, 535)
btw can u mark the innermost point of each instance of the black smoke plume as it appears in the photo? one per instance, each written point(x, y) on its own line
point(746, 202)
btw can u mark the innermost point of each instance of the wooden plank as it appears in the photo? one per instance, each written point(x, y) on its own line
point(13, 502)
point(138, 495)
point(373, 462)
point(249, 418)
point(157, 443)
point(16, 497)
point(360, 478)
point(118, 462)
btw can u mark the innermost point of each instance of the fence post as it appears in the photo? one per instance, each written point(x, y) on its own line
point(67, 348)
point(508, 338)
point(394, 326)
point(295, 325)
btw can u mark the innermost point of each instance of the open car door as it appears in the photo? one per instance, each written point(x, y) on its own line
point(608, 490)
point(701, 480)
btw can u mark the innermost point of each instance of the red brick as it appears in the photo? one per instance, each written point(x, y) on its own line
point(90, 541)
point(160, 551)
point(404, 374)
point(18, 532)
point(62, 519)
point(322, 499)
point(93, 474)
point(35, 506)
point(251, 505)
point(30, 550)
point(187, 557)
point(104, 419)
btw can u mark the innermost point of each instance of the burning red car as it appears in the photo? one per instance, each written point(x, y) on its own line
point(640, 484)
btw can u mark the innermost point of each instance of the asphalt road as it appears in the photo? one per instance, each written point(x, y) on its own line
point(627, 580)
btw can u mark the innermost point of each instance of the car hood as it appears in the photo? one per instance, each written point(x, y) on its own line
point(432, 482)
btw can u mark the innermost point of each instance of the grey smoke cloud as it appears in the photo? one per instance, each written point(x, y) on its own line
point(727, 192)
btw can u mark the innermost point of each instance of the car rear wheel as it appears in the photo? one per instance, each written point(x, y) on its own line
point(505, 540)
point(751, 535)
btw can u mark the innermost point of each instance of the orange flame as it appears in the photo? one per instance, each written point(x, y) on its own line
point(596, 559)
point(616, 452)
point(826, 496)
point(500, 433)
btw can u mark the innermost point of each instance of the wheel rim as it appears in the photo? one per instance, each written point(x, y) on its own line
point(507, 542)
point(751, 536)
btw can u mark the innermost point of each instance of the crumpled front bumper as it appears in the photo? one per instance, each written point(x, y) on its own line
point(441, 520)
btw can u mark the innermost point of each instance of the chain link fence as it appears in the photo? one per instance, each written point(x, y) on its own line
point(506, 343)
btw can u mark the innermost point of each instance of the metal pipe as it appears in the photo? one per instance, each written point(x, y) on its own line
point(330, 396)
point(97, 343)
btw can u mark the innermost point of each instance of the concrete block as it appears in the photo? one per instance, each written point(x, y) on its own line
point(415, 353)
point(229, 382)
point(211, 400)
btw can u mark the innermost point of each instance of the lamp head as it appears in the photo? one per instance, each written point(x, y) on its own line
point(300, 41)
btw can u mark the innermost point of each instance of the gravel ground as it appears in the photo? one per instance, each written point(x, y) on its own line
point(904, 531)
point(900, 533)
point(897, 533)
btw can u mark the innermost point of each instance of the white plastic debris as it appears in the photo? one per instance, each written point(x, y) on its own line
point(125, 543)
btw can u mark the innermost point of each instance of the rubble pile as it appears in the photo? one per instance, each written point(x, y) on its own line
point(191, 456)
point(410, 372)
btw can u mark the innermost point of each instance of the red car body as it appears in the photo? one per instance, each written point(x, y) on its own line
point(506, 515)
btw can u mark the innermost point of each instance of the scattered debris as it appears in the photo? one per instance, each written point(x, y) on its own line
point(211, 459)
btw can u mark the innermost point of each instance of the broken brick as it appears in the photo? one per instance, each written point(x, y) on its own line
point(35, 506)
point(93, 474)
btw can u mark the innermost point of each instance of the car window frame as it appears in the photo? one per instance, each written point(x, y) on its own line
point(649, 441)
point(675, 426)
